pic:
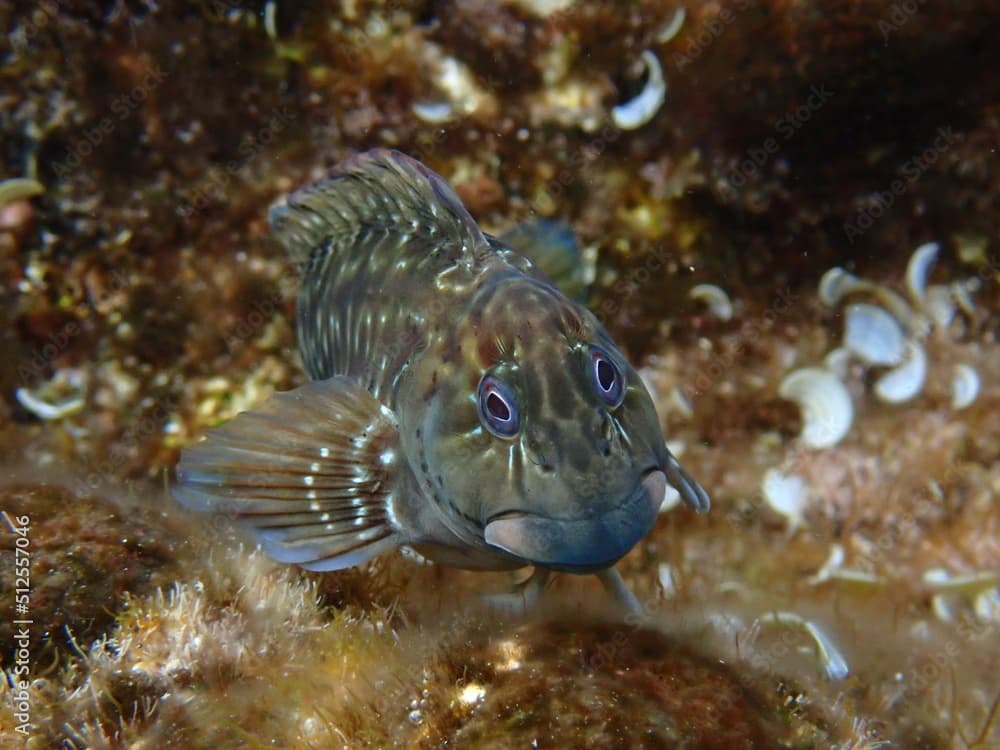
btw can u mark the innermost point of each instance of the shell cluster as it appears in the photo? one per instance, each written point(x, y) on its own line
point(882, 330)
point(885, 332)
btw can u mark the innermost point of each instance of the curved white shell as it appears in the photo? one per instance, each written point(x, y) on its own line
point(962, 293)
point(671, 30)
point(43, 409)
point(825, 403)
point(638, 111)
point(835, 284)
point(838, 361)
point(919, 269)
point(666, 577)
point(434, 112)
point(19, 188)
point(716, 298)
point(907, 380)
point(270, 23)
point(60, 397)
point(873, 335)
point(834, 663)
point(939, 304)
point(786, 494)
point(838, 283)
point(964, 387)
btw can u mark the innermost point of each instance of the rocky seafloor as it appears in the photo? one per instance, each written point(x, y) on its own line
point(842, 592)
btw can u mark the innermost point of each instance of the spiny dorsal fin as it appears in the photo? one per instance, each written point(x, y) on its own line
point(312, 472)
point(378, 189)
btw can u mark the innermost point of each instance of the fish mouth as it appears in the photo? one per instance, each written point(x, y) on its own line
point(582, 545)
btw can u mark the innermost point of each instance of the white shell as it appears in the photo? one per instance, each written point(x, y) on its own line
point(834, 285)
point(716, 298)
point(907, 380)
point(44, 410)
point(671, 30)
point(964, 387)
point(838, 283)
point(939, 304)
point(270, 25)
point(833, 570)
point(919, 269)
point(667, 583)
point(834, 663)
point(969, 584)
point(825, 403)
point(873, 335)
point(19, 189)
point(434, 112)
point(962, 293)
point(786, 494)
point(833, 562)
point(60, 397)
point(638, 111)
point(838, 361)
point(987, 606)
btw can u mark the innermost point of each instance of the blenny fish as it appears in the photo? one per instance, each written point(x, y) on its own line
point(460, 404)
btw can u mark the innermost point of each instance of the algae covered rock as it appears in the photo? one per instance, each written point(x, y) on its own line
point(595, 684)
point(85, 554)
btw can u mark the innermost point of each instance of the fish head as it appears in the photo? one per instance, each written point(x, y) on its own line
point(545, 434)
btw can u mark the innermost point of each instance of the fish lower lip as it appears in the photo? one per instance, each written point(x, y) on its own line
point(584, 545)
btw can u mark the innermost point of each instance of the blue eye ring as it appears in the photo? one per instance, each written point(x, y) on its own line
point(498, 407)
point(609, 382)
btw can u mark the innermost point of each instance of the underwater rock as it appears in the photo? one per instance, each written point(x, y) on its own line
point(499, 41)
point(561, 684)
point(86, 554)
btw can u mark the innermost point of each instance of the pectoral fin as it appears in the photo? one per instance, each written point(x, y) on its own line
point(312, 472)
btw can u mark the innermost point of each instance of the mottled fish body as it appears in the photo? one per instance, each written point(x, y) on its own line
point(460, 403)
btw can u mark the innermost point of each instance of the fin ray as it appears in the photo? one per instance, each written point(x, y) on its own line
point(376, 192)
point(311, 472)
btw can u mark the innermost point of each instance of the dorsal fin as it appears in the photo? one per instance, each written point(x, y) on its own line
point(379, 189)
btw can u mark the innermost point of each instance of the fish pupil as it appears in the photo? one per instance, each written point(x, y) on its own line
point(605, 375)
point(497, 407)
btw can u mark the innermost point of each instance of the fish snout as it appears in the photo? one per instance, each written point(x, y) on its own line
point(581, 545)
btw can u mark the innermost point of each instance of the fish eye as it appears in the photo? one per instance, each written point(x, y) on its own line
point(498, 409)
point(608, 380)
